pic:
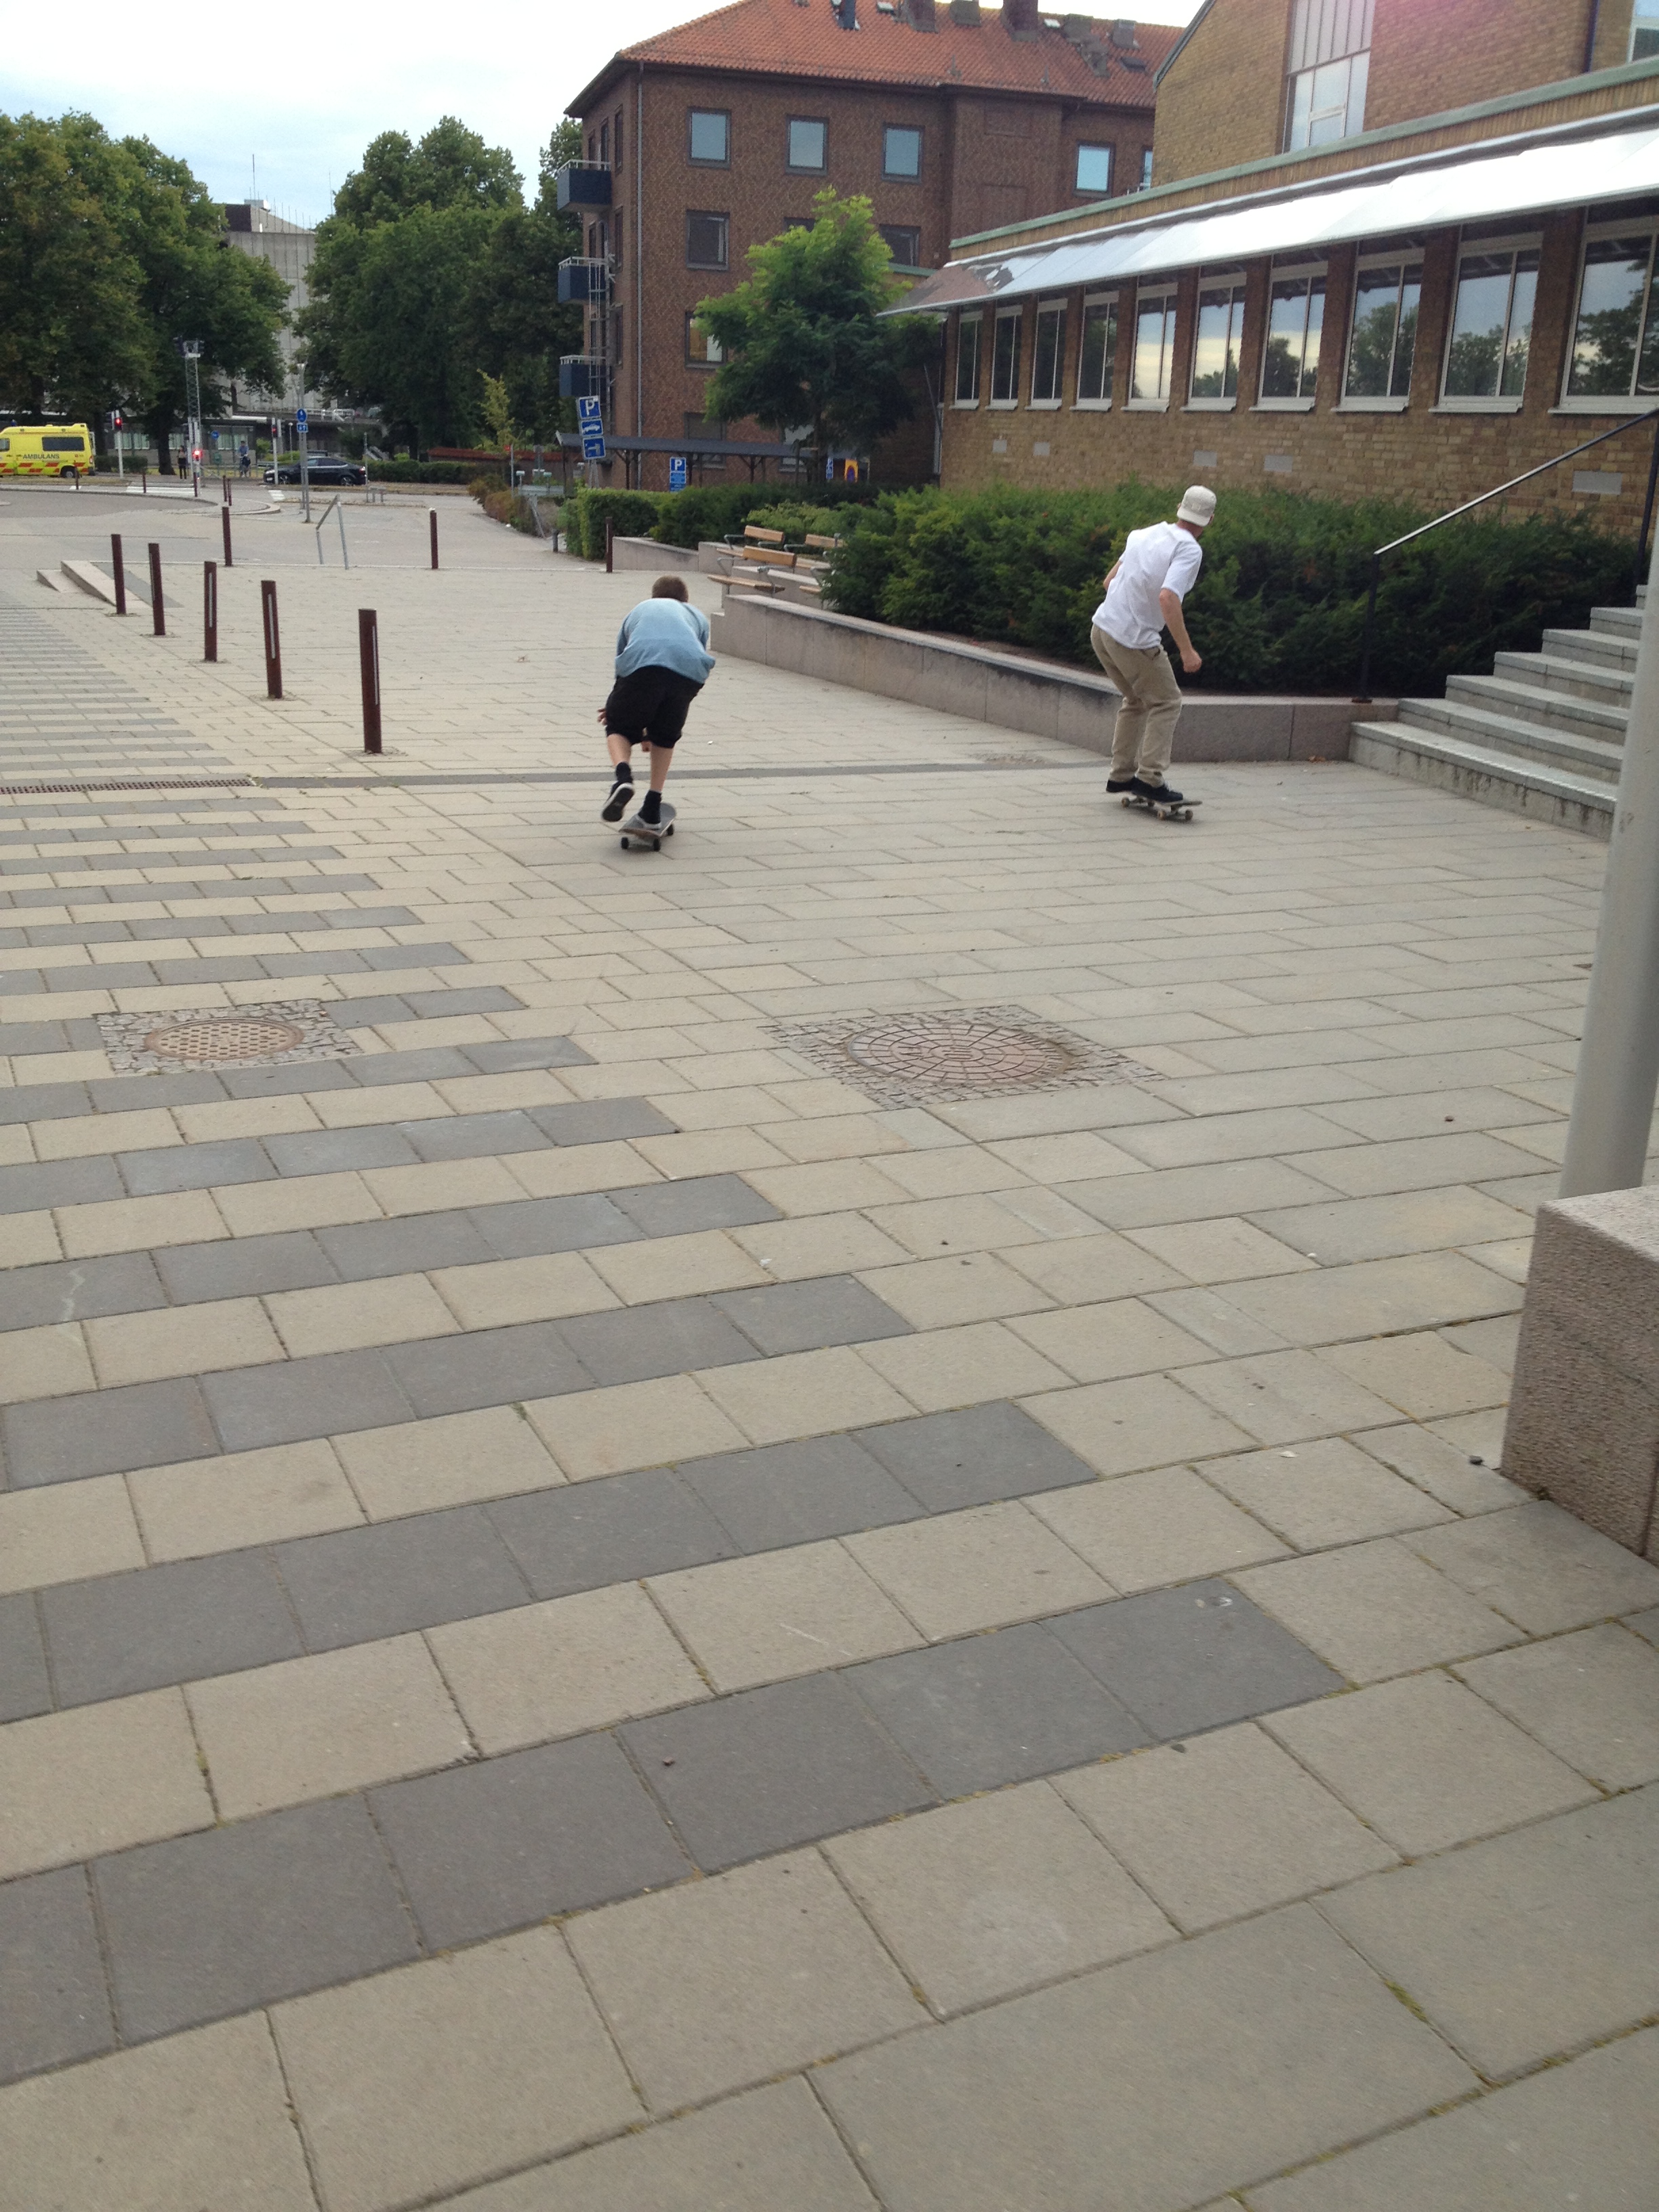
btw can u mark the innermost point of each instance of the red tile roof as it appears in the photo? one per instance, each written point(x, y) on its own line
point(804, 38)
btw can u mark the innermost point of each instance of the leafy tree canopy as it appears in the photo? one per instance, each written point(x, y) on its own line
point(451, 166)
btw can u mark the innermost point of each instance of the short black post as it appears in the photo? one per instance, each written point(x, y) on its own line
point(432, 520)
point(1364, 691)
point(120, 568)
point(273, 641)
point(224, 531)
point(224, 486)
point(369, 662)
point(158, 613)
point(610, 543)
point(210, 610)
point(1647, 510)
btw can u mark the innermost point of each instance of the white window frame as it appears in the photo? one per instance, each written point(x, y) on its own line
point(1607, 403)
point(1297, 402)
point(1145, 294)
point(1092, 299)
point(1327, 35)
point(1093, 146)
point(1531, 242)
point(1015, 314)
point(1048, 308)
point(977, 318)
point(1380, 258)
point(1235, 283)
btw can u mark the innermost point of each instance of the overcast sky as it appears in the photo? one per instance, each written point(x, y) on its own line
point(227, 92)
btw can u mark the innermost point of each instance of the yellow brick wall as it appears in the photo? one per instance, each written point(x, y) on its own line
point(1222, 98)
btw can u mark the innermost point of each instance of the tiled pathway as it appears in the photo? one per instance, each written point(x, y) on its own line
point(592, 1622)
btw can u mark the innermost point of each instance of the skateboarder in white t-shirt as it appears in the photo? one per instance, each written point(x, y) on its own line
point(1152, 576)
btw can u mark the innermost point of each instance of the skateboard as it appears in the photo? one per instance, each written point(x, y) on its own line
point(1180, 810)
point(635, 832)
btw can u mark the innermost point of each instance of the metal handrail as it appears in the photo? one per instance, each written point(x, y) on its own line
point(1649, 415)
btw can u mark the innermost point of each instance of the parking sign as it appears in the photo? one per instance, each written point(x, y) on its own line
point(676, 472)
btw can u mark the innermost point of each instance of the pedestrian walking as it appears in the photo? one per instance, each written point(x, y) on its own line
point(1145, 590)
point(663, 661)
point(243, 460)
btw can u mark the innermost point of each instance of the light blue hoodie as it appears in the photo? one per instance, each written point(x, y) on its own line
point(665, 633)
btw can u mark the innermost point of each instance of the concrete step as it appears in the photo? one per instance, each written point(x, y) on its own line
point(1495, 779)
point(1508, 734)
point(1591, 645)
point(1617, 621)
point(1554, 671)
point(1535, 702)
point(90, 580)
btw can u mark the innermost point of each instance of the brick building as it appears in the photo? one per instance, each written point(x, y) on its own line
point(1424, 306)
point(715, 136)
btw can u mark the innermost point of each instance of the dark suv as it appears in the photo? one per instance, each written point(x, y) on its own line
point(324, 469)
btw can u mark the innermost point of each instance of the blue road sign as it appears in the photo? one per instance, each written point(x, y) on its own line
point(676, 472)
point(592, 444)
point(302, 421)
point(587, 411)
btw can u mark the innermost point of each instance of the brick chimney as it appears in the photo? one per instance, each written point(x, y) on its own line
point(966, 13)
point(1020, 20)
point(919, 15)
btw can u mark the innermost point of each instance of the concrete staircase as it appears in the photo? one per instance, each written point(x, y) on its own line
point(1543, 734)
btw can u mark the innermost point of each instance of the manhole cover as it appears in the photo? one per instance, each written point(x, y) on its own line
point(911, 1060)
point(217, 1036)
point(226, 1040)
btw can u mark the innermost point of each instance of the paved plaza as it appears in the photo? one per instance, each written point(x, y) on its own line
point(806, 1523)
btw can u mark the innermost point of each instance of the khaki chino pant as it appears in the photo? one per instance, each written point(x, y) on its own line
point(1143, 733)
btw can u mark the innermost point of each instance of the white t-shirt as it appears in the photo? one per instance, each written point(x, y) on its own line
point(1164, 558)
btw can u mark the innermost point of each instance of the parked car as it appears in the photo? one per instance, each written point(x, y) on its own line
point(325, 469)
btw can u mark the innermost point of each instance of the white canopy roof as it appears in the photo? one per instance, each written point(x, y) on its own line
point(1563, 171)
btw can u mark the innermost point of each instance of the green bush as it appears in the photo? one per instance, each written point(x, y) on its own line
point(631, 514)
point(1280, 604)
point(419, 473)
point(721, 510)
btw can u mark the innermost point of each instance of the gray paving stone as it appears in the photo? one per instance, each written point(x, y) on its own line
point(34, 1185)
point(971, 1458)
point(232, 969)
point(1645, 1624)
point(509, 1841)
point(79, 1290)
point(803, 1316)
point(413, 955)
point(798, 1493)
point(194, 1167)
point(107, 1432)
point(617, 1530)
point(119, 976)
point(419, 1066)
point(598, 1120)
point(283, 965)
point(474, 1136)
point(54, 2006)
point(673, 1209)
point(33, 1037)
point(491, 1367)
point(373, 1013)
point(297, 1397)
point(754, 1773)
point(326, 1152)
point(365, 1249)
point(464, 998)
point(1194, 1658)
point(519, 1228)
point(44, 1101)
point(513, 1053)
point(210, 1925)
point(118, 1634)
point(243, 1266)
point(25, 1685)
point(673, 1337)
point(283, 1082)
point(361, 1583)
point(995, 1709)
point(121, 1094)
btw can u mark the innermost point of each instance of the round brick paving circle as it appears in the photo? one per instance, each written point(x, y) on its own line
point(235, 1038)
point(939, 1051)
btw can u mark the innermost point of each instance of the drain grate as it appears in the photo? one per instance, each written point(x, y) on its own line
point(926, 1058)
point(251, 1036)
point(146, 783)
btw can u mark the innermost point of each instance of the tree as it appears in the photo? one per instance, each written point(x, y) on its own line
point(521, 329)
point(801, 338)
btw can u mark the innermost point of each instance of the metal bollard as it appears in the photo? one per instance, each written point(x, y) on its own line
point(209, 610)
point(119, 566)
point(609, 543)
point(273, 641)
point(158, 613)
point(369, 662)
point(432, 519)
point(224, 529)
point(225, 486)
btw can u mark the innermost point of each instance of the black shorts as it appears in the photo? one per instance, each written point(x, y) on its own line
point(649, 706)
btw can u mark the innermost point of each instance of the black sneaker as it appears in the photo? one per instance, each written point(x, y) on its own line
point(1120, 783)
point(621, 796)
point(1161, 795)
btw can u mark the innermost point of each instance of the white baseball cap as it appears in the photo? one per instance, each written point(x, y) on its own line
point(1197, 506)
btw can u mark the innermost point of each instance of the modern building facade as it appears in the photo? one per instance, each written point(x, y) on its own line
point(1423, 308)
point(715, 136)
point(289, 248)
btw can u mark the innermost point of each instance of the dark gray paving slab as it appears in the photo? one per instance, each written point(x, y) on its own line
point(34, 1185)
point(25, 1684)
point(235, 968)
point(54, 2006)
point(283, 1082)
point(44, 1101)
point(414, 956)
point(124, 1094)
point(33, 1036)
point(1194, 1658)
point(297, 1397)
point(592, 1534)
point(597, 1120)
point(464, 998)
point(672, 1209)
point(107, 1432)
point(326, 1152)
point(243, 1267)
point(770, 1768)
point(520, 1228)
point(491, 1367)
point(79, 1290)
point(194, 1167)
point(221, 1922)
point(409, 1246)
point(674, 1336)
point(381, 1581)
point(511, 1841)
point(513, 1053)
point(952, 1460)
point(422, 1066)
point(798, 1493)
point(1645, 1624)
point(369, 1014)
point(117, 976)
point(807, 1315)
point(995, 1709)
point(474, 1136)
point(281, 965)
point(118, 1634)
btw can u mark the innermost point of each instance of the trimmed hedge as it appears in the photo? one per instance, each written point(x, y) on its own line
point(1280, 604)
point(632, 514)
point(419, 473)
point(721, 510)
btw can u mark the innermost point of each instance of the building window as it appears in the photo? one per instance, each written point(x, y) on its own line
point(903, 242)
point(969, 332)
point(1383, 344)
point(1048, 354)
point(710, 137)
point(1615, 343)
point(809, 144)
point(1296, 318)
point(615, 139)
point(1330, 59)
point(1005, 358)
point(1097, 354)
point(701, 350)
point(604, 142)
point(1644, 30)
point(1155, 323)
point(1491, 327)
point(1094, 169)
point(1215, 346)
point(901, 152)
point(1146, 168)
point(706, 240)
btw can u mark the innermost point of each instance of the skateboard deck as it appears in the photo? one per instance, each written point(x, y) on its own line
point(1179, 810)
point(635, 832)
